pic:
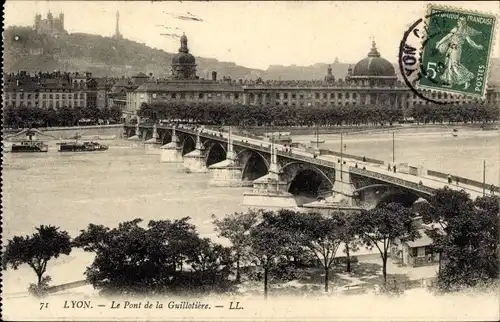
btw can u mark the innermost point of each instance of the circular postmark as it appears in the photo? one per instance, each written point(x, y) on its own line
point(410, 63)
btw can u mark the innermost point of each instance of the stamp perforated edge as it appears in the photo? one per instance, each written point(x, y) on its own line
point(493, 43)
point(2, 27)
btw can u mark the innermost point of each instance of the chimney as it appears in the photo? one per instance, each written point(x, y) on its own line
point(214, 76)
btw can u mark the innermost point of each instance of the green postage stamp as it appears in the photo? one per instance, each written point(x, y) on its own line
point(455, 55)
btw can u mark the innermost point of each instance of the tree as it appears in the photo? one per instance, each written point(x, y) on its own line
point(10, 116)
point(445, 205)
point(115, 113)
point(468, 237)
point(236, 228)
point(348, 237)
point(318, 234)
point(165, 256)
point(36, 250)
point(212, 263)
point(381, 225)
point(268, 246)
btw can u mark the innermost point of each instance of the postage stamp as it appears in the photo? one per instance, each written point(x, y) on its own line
point(456, 53)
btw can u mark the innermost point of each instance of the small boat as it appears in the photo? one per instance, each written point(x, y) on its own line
point(29, 146)
point(81, 147)
point(455, 130)
point(455, 135)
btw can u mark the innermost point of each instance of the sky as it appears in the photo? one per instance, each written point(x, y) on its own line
point(251, 34)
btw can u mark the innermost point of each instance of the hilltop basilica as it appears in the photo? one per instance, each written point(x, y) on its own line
point(51, 26)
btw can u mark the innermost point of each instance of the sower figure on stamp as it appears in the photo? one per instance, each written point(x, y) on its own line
point(451, 46)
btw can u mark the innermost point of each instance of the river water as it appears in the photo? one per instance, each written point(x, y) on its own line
point(72, 190)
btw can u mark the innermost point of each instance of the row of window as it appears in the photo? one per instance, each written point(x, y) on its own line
point(43, 96)
point(309, 95)
point(260, 95)
point(317, 103)
point(199, 95)
point(50, 104)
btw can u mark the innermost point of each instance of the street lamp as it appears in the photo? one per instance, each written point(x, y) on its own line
point(393, 153)
point(484, 178)
point(341, 154)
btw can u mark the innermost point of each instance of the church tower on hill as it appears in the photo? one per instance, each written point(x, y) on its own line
point(118, 35)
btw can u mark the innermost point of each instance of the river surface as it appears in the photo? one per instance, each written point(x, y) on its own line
point(71, 190)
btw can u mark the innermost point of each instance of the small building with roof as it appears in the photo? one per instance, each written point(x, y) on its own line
point(415, 253)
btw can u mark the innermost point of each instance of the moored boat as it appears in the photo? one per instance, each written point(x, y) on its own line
point(81, 147)
point(29, 146)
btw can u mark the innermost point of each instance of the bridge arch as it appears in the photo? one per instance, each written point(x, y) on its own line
point(254, 164)
point(188, 144)
point(405, 197)
point(306, 179)
point(129, 132)
point(147, 134)
point(166, 137)
point(215, 153)
point(374, 195)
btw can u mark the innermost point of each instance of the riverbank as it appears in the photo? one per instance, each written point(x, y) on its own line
point(98, 132)
point(353, 130)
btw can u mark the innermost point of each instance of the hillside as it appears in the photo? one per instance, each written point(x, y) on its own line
point(107, 56)
point(97, 54)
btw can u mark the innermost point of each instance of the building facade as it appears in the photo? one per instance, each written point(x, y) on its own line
point(371, 81)
point(50, 90)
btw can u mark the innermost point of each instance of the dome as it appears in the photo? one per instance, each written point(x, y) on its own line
point(374, 65)
point(183, 59)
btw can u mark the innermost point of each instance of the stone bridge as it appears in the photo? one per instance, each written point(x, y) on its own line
point(280, 176)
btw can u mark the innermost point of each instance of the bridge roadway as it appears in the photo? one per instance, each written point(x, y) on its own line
point(424, 183)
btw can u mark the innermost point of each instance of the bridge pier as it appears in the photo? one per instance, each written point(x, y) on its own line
point(171, 152)
point(343, 189)
point(226, 173)
point(195, 161)
point(152, 146)
point(137, 136)
point(270, 191)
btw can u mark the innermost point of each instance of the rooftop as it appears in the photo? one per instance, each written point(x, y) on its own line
point(422, 241)
point(189, 85)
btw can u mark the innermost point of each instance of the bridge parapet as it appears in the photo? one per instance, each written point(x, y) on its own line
point(311, 160)
point(393, 180)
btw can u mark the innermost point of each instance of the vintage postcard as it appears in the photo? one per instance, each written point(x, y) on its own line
point(250, 161)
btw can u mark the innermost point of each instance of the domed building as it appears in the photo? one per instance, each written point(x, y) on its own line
point(183, 63)
point(373, 70)
point(377, 76)
point(372, 81)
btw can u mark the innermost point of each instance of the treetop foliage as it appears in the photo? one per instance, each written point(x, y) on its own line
point(35, 250)
point(243, 115)
point(24, 116)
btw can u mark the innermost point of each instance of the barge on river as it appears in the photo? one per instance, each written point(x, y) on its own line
point(81, 147)
point(29, 146)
